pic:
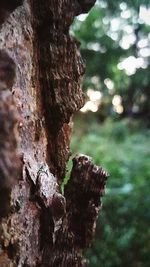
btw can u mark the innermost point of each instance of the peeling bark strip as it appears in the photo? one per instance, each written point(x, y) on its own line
point(83, 201)
point(39, 227)
point(83, 193)
point(60, 68)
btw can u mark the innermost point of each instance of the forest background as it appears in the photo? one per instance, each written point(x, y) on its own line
point(114, 126)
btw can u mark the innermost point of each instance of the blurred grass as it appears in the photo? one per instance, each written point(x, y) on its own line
point(123, 149)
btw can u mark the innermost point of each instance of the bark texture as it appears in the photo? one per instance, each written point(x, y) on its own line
point(38, 225)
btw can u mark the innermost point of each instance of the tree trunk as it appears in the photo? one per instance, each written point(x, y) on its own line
point(40, 76)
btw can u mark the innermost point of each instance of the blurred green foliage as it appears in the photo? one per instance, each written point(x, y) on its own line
point(115, 43)
point(123, 233)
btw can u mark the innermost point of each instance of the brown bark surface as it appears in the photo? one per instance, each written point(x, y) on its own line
point(38, 225)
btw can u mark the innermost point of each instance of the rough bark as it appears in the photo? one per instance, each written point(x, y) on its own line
point(38, 225)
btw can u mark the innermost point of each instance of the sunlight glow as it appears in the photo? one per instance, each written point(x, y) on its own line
point(105, 20)
point(94, 101)
point(143, 43)
point(126, 14)
point(131, 64)
point(123, 6)
point(115, 24)
point(144, 15)
point(95, 80)
point(89, 106)
point(94, 95)
point(128, 29)
point(145, 52)
point(82, 17)
point(96, 47)
point(93, 46)
point(113, 35)
point(103, 4)
point(109, 83)
point(117, 100)
point(127, 41)
point(118, 109)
